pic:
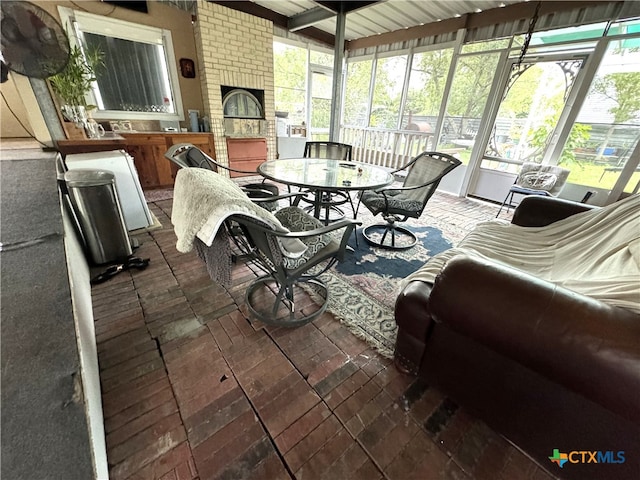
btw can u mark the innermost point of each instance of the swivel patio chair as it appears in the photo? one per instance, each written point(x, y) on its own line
point(330, 202)
point(290, 248)
point(536, 179)
point(188, 155)
point(397, 204)
point(271, 298)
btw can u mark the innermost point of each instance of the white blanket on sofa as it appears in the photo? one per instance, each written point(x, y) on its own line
point(595, 253)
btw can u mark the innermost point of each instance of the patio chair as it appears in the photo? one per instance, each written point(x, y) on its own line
point(271, 298)
point(188, 155)
point(536, 179)
point(330, 202)
point(334, 150)
point(291, 248)
point(397, 204)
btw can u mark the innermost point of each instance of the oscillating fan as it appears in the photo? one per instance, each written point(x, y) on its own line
point(33, 43)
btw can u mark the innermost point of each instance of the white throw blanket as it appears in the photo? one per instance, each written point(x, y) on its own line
point(595, 253)
point(203, 200)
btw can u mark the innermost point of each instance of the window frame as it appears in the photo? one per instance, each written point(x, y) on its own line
point(80, 22)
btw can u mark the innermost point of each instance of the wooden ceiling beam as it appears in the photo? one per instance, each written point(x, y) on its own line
point(277, 19)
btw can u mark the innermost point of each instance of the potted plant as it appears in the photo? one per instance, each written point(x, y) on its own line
point(73, 83)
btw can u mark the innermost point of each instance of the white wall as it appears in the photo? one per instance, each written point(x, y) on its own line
point(86, 336)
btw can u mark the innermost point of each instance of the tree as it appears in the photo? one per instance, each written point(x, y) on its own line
point(356, 97)
point(290, 80)
point(428, 78)
point(387, 92)
point(624, 89)
point(473, 79)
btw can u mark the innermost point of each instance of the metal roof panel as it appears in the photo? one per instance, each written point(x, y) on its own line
point(387, 16)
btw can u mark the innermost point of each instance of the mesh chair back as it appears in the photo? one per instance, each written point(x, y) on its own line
point(186, 155)
point(427, 167)
point(195, 157)
point(549, 178)
point(332, 150)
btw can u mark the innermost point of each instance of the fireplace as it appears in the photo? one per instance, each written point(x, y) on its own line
point(243, 110)
point(245, 127)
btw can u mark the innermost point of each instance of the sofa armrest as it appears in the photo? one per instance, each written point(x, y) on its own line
point(583, 344)
point(411, 309)
point(538, 211)
point(414, 325)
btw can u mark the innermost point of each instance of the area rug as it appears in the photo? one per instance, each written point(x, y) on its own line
point(363, 288)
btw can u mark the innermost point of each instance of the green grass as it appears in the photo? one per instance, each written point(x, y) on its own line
point(585, 173)
point(592, 175)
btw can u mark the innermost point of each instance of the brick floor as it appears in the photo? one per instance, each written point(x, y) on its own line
point(194, 390)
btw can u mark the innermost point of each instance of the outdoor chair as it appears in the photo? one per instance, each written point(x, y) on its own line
point(290, 248)
point(536, 179)
point(271, 298)
point(330, 202)
point(397, 204)
point(188, 155)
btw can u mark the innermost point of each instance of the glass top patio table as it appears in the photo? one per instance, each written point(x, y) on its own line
point(325, 175)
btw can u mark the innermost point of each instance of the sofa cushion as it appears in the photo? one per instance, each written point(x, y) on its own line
point(297, 220)
point(538, 180)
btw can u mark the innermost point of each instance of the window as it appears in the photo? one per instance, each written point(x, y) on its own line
point(323, 59)
point(138, 81)
point(356, 98)
point(467, 99)
point(607, 128)
point(387, 92)
point(290, 81)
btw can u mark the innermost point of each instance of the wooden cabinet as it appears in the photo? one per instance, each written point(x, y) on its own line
point(148, 149)
point(89, 145)
point(246, 153)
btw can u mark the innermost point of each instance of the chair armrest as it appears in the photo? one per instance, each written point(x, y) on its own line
point(268, 197)
point(226, 167)
point(583, 344)
point(403, 188)
point(344, 223)
point(347, 225)
point(536, 211)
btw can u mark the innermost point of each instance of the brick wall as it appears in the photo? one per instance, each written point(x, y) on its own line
point(234, 49)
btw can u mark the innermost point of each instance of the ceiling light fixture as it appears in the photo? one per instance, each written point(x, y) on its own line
point(478, 10)
point(502, 5)
point(457, 15)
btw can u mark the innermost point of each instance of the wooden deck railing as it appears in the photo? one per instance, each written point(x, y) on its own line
point(385, 148)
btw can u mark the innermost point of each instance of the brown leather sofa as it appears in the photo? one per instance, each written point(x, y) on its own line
point(544, 366)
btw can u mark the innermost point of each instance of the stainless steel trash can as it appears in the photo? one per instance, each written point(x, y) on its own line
point(94, 199)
